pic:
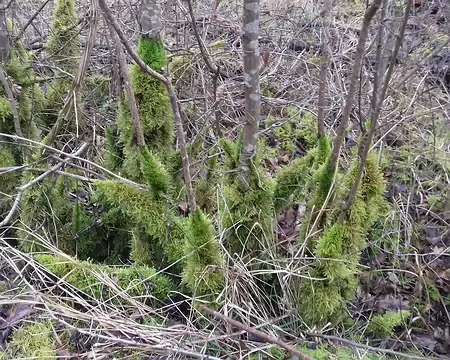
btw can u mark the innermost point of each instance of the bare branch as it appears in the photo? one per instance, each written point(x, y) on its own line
point(30, 20)
point(28, 185)
point(350, 100)
point(365, 145)
point(257, 333)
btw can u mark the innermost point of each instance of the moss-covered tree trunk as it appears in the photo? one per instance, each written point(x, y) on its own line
point(62, 48)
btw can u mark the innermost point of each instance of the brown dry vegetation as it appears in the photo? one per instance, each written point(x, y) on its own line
point(405, 265)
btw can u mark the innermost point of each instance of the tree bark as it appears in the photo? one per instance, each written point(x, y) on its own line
point(5, 43)
point(151, 19)
point(325, 61)
point(250, 45)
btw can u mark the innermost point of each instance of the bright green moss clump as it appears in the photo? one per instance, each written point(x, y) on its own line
point(202, 271)
point(338, 249)
point(163, 230)
point(383, 326)
point(154, 110)
point(137, 281)
point(33, 341)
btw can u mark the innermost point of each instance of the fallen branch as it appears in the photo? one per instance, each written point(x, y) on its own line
point(74, 157)
point(257, 333)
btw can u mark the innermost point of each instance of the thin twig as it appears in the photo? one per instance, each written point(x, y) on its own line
point(30, 20)
point(93, 164)
point(28, 185)
point(368, 347)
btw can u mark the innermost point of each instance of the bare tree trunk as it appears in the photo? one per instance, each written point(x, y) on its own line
point(325, 61)
point(350, 100)
point(5, 44)
point(250, 46)
point(151, 19)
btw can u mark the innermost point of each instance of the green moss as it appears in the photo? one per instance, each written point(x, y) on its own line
point(29, 103)
point(202, 272)
point(63, 49)
point(49, 199)
point(164, 229)
point(140, 282)
point(154, 109)
point(383, 326)
point(114, 152)
point(291, 181)
point(8, 181)
point(64, 40)
point(32, 340)
point(338, 249)
point(298, 127)
point(248, 215)
point(97, 92)
point(158, 179)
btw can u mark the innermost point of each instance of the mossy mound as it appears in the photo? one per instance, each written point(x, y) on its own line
point(140, 282)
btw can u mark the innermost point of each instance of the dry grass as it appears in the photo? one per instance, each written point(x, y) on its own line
point(291, 79)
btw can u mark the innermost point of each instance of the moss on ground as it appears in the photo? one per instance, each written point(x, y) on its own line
point(140, 282)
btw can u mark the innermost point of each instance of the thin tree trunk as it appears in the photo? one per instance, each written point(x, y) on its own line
point(350, 100)
point(325, 61)
point(365, 145)
point(125, 72)
point(5, 42)
point(250, 46)
point(151, 19)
